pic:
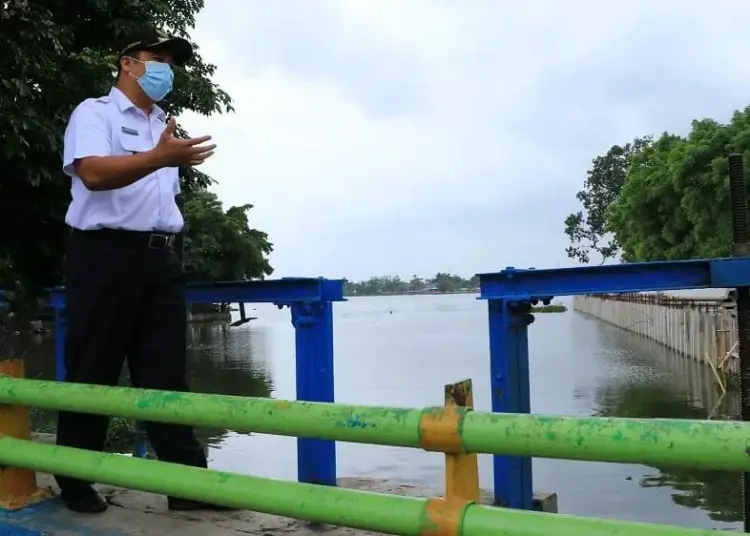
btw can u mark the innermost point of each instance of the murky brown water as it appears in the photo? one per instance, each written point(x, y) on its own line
point(400, 351)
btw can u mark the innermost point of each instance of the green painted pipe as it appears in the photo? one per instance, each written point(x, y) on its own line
point(719, 445)
point(379, 512)
point(357, 424)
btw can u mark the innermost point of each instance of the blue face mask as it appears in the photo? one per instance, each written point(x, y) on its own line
point(157, 81)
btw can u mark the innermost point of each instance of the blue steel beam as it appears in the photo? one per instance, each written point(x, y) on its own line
point(509, 365)
point(284, 291)
point(521, 284)
point(310, 300)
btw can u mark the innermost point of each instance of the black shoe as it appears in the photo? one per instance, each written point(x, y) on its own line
point(188, 505)
point(85, 501)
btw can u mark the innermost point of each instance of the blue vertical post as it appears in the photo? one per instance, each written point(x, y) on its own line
point(141, 440)
point(61, 333)
point(313, 323)
point(509, 367)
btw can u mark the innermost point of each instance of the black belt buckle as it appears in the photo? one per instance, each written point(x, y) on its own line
point(160, 241)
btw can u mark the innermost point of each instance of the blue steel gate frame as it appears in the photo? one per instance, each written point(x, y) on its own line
point(510, 294)
point(311, 303)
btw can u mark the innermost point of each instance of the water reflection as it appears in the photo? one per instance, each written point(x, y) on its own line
point(230, 361)
point(658, 383)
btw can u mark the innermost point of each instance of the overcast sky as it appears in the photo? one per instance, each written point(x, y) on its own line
point(380, 137)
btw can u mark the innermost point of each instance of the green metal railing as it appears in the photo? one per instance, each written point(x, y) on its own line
point(390, 514)
point(700, 444)
point(705, 444)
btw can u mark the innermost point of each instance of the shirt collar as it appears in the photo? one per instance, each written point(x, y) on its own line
point(124, 103)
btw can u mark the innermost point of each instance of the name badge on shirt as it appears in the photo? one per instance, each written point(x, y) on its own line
point(131, 131)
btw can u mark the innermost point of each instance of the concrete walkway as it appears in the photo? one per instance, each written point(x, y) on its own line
point(135, 513)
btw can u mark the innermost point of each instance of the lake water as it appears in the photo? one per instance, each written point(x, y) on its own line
point(400, 351)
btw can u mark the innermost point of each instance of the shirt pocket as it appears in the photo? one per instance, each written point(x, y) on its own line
point(133, 140)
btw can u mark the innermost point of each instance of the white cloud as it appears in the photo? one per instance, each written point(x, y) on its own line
point(424, 136)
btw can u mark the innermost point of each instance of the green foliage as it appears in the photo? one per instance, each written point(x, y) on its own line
point(674, 201)
point(56, 54)
point(394, 285)
point(220, 246)
point(675, 204)
point(120, 433)
point(587, 229)
point(552, 308)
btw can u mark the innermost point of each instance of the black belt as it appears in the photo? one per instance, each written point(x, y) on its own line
point(135, 239)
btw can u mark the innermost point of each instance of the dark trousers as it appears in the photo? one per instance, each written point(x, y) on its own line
point(125, 300)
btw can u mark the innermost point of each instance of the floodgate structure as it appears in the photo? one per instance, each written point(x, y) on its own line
point(510, 432)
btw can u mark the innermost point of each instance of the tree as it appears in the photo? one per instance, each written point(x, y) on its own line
point(376, 286)
point(648, 218)
point(416, 283)
point(673, 202)
point(221, 246)
point(388, 285)
point(54, 56)
point(447, 282)
point(587, 229)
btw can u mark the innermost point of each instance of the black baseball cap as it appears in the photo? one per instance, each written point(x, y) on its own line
point(147, 38)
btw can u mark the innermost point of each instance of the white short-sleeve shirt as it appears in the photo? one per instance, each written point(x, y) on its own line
point(112, 125)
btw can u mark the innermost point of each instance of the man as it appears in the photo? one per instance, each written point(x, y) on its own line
point(125, 286)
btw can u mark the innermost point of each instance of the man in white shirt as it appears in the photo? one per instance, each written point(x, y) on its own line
point(125, 286)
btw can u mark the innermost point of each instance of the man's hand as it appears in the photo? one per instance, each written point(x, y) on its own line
point(174, 152)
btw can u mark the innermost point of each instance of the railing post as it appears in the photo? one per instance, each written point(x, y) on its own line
point(461, 469)
point(509, 368)
point(17, 486)
point(313, 323)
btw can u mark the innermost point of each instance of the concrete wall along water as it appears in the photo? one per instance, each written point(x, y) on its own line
point(698, 325)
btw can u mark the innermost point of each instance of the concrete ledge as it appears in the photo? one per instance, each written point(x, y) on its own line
point(545, 502)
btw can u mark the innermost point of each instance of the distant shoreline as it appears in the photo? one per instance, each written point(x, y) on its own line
point(413, 293)
point(551, 308)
